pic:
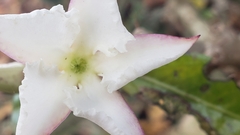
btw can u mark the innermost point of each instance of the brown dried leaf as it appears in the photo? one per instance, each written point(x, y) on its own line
point(153, 3)
point(155, 123)
point(5, 110)
point(9, 7)
point(4, 58)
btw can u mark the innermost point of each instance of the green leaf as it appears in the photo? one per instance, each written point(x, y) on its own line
point(218, 102)
point(11, 76)
point(16, 109)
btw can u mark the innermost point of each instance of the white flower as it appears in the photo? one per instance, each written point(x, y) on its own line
point(77, 60)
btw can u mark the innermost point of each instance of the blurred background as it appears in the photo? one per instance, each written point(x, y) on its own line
point(196, 95)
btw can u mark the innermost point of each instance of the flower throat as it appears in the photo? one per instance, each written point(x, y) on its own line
point(78, 65)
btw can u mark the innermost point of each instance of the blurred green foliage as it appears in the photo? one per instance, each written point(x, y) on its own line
point(217, 102)
point(11, 76)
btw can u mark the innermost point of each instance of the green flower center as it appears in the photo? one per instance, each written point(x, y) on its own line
point(78, 65)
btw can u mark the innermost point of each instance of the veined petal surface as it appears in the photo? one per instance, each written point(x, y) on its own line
point(108, 110)
point(41, 96)
point(144, 54)
point(101, 26)
point(41, 34)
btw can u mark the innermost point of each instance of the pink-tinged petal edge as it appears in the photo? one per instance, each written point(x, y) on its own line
point(147, 52)
point(41, 95)
point(108, 110)
point(163, 36)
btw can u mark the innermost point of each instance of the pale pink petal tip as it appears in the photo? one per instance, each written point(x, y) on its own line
point(147, 52)
point(165, 37)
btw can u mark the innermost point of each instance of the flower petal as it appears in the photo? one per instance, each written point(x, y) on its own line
point(41, 96)
point(102, 26)
point(108, 110)
point(38, 35)
point(145, 54)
